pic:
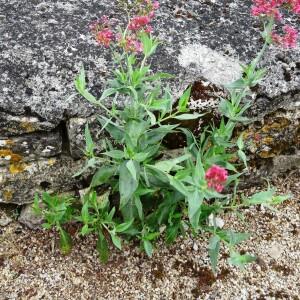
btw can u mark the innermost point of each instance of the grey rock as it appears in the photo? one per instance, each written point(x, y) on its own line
point(19, 183)
point(76, 136)
point(11, 125)
point(30, 147)
point(29, 218)
point(40, 57)
point(285, 163)
point(5, 219)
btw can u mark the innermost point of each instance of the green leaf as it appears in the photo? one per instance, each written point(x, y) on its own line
point(86, 230)
point(188, 116)
point(140, 157)
point(65, 242)
point(111, 214)
point(80, 82)
point(149, 44)
point(240, 142)
point(127, 184)
point(134, 129)
point(178, 185)
point(183, 102)
point(171, 164)
point(102, 248)
point(139, 207)
point(133, 168)
point(89, 148)
point(239, 260)
point(80, 85)
point(85, 213)
point(108, 92)
point(116, 240)
point(36, 205)
point(151, 236)
point(113, 129)
point(195, 200)
point(152, 117)
point(46, 225)
point(264, 197)
point(160, 75)
point(213, 251)
point(238, 84)
point(116, 154)
point(161, 105)
point(280, 198)
point(243, 157)
point(172, 233)
point(156, 135)
point(102, 175)
point(124, 226)
point(148, 247)
point(199, 173)
point(237, 237)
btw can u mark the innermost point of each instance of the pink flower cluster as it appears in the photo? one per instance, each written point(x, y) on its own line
point(272, 8)
point(102, 31)
point(143, 21)
point(216, 177)
point(289, 39)
point(104, 35)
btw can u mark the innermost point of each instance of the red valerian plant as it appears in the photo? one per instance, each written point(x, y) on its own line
point(128, 40)
point(216, 178)
point(289, 39)
point(139, 189)
point(272, 10)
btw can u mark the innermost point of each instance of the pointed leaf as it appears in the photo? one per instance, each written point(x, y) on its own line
point(102, 248)
point(213, 250)
point(65, 242)
point(148, 247)
point(183, 101)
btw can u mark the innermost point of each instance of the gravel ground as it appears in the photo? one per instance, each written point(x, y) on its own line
point(32, 267)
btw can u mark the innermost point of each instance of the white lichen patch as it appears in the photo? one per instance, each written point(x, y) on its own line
point(214, 66)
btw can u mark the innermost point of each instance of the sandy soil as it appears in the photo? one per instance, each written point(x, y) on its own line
point(33, 268)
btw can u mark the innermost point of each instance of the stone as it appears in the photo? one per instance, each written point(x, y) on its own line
point(275, 251)
point(44, 45)
point(54, 175)
point(29, 218)
point(30, 147)
point(11, 125)
point(76, 136)
point(5, 219)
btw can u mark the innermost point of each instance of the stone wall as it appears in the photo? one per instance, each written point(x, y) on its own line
point(44, 43)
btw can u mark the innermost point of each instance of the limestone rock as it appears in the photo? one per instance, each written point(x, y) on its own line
point(20, 183)
point(29, 218)
point(5, 219)
point(29, 147)
point(11, 125)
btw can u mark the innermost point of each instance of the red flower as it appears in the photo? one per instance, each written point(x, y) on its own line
point(131, 44)
point(289, 39)
point(268, 8)
point(138, 22)
point(295, 5)
point(104, 37)
point(156, 5)
point(216, 177)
